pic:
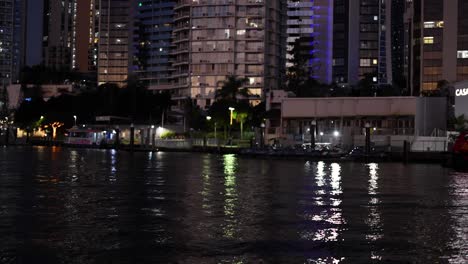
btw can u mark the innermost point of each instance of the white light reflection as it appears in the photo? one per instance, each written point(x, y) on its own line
point(326, 217)
point(206, 189)
point(374, 176)
point(73, 165)
point(374, 220)
point(320, 174)
point(336, 179)
point(113, 168)
point(329, 260)
point(459, 214)
point(230, 200)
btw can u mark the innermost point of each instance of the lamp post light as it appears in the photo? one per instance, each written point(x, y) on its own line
point(153, 136)
point(215, 127)
point(232, 111)
point(75, 117)
point(368, 139)
point(262, 141)
point(312, 134)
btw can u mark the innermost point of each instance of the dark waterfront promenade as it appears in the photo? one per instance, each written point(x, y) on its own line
point(60, 205)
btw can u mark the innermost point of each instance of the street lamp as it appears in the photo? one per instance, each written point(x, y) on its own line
point(262, 134)
point(215, 124)
point(368, 138)
point(312, 133)
point(75, 117)
point(232, 111)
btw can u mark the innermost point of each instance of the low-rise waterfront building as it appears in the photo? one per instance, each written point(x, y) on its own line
point(342, 120)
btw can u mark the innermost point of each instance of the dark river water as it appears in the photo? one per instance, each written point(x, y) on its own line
point(101, 206)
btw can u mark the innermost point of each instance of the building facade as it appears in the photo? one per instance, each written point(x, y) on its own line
point(398, 43)
point(362, 41)
point(114, 41)
point(69, 29)
point(11, 34)
point(342, 120)
point(33, 34)
point(439, 43)
point(58, 35)
point(215, 39)
point(152, 43)
point(311, 24)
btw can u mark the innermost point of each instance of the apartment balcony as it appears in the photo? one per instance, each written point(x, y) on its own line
point(179, 40)
point(181, 15)
point(180, 63)
point(182, 4)
point(179, 51)
point(179, 74)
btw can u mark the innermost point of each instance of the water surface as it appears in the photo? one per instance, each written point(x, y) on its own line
point(102, 206)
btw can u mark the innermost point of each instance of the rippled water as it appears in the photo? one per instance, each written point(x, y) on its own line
point(92, 206)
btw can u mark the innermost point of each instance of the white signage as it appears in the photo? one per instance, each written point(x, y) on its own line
point(461, 92)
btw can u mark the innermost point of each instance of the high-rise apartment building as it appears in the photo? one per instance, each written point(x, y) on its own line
point(114, 41)
point(214, 39)
point(152, 43)
point(311, 23)
point(398, 42)
point(439, 43)
point(68, 34)
point(362, 41)
point(85, 53)
point(33, 34)
point(11, 33)
point(59, 38)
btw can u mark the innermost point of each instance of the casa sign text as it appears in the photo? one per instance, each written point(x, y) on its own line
point(461, 92)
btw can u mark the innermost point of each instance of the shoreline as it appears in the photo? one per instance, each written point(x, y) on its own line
point(442, 158)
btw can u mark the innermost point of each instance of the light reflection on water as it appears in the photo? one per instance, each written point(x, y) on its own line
point(93, 206)
point(230, 195)
point(374, 218)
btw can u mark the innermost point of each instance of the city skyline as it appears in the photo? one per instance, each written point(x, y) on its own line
point(166, 44)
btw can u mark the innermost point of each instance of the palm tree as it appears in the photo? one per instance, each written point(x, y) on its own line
point(459, 123)
point(232, 89)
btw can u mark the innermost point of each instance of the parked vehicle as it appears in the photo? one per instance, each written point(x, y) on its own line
point(460, 150)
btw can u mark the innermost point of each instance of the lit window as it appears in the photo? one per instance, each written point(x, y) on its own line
point(462, 54)
point(429, 24)
point(374, 61)
point(241, 32)
point(428, 40)
point(434, 24)
point(365, 62)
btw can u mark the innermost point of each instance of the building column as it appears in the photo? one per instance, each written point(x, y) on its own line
point(449, 51)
